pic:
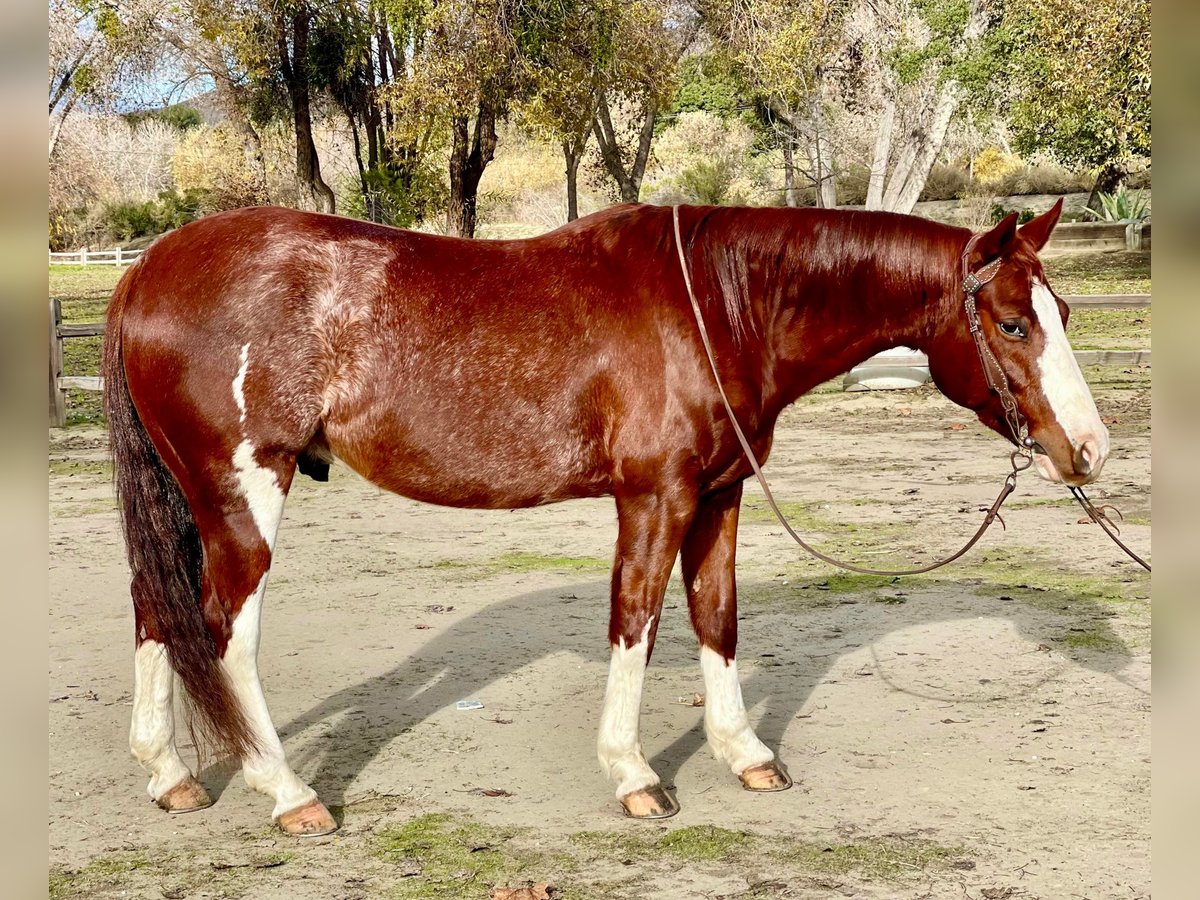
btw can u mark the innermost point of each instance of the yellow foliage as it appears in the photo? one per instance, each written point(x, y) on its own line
point(213, 160)
point(993, 164)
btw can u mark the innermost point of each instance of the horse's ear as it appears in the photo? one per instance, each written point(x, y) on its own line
point(1037, 231)
point(997, 242)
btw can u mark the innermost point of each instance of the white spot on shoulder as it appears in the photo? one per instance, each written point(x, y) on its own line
point(1062, 380)
point(239, 383)
point(260, 487)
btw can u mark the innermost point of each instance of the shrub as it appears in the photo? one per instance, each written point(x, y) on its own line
point(946, 183)
point(1026, 215)
point(212, 161)
point(992, 164)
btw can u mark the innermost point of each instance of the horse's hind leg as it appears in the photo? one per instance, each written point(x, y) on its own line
point(707, 559)
point(238, 543)
point(152, 732)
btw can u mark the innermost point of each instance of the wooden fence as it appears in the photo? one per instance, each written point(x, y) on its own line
point(86, 257)
point(910, 363)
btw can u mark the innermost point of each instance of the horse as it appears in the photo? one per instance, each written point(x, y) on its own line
point(255, 343)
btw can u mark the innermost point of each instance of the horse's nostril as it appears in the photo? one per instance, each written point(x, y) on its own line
point(1087, 456)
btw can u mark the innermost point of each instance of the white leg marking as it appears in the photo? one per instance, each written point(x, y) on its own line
point(152, 731)
point(725, 720)
point(267, 771)
point(239, 383)
point(1062, 381)
point(260, 487)
point(619, 747)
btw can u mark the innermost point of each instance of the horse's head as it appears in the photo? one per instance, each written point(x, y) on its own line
point(1023, 325)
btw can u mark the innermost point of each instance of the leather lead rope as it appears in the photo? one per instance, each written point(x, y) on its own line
point(1021, 458)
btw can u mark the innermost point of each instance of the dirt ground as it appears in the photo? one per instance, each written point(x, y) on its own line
point(983, 732)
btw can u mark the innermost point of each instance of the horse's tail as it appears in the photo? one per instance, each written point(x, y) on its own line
point(165, 555)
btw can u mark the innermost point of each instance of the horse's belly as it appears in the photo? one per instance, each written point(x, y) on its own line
point(478, 467)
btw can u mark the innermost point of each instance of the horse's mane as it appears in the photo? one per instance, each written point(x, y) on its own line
point(750, 256)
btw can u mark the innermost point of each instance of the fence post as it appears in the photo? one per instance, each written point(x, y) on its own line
point(118, 257)
point(58, 397)
point(83, 257)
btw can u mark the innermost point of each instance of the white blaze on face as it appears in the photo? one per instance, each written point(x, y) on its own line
point(1063, 384)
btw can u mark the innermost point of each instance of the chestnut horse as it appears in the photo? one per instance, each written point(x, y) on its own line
point(503, 374)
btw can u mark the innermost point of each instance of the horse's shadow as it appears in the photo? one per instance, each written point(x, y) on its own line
point(362, 719)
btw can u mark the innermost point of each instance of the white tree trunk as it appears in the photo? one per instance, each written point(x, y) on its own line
point(926, 150)
point(883, 149)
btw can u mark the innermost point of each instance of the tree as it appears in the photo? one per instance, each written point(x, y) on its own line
point(1082, 70)
point(637, 81)
point(567, 47)
point(465, 77)
point(786, 52)
point(926, 57)
point(93, 48)
point(292, 24)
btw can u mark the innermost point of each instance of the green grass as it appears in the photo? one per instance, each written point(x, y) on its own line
point(1099, 273)
point(517, 561)
point(104, 872)
point(1109, 329)
point(87, 468)
point(1097, 639)
point(456, 858)
point(886, 858)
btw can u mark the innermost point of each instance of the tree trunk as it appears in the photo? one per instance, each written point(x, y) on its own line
point(1110, 177)
point(572, 161)
point(926, 150)
point(629, 182)
point(883, 149)
point(293, 64)
point(469, 156)
point(789, 173)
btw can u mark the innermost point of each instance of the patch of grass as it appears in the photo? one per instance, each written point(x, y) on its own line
point(91, 468)
point(1099, 273)
point(517, 561)
point(695, 843)
point(456, 858)
point(537, 562)
point(699, 842)
point(1046, 584)
point(880, 858)
point(1041, 501)
point(70, 509)
point(101, 873)
point(1098, 639)
point(1109, 329)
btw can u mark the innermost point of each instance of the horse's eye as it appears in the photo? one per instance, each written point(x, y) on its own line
point(1014, 329)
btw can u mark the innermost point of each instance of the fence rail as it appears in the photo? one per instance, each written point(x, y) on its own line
point(913, 366)
point(86, 257)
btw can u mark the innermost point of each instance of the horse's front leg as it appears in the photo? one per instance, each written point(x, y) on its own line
point(708, 558)
point(651, 526)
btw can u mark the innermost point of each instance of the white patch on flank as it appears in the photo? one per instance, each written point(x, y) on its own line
point(260, 487)
point(619, 747)
point(239, 383)
point(267, 771)
point(152, 731)
point(1062, 381)
point(725, 720)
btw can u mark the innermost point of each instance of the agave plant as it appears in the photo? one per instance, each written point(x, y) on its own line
point(1122, 206)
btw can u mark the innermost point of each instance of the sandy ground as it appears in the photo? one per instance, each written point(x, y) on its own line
point(980, 733)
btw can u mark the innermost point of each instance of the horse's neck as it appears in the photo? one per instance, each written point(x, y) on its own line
point(850, 286)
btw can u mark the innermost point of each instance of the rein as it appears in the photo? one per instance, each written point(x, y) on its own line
point(1021, 458)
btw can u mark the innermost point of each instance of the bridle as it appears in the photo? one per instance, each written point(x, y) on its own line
point(1021, 458)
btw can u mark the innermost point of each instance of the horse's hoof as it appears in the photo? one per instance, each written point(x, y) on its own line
point(766, 778)
point(310, 820)
point(649, 803)
point(187, 796)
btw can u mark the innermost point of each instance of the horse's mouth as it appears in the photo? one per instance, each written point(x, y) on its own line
point(1047, 470)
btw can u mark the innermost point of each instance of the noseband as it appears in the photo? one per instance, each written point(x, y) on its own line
point(1021, 458)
